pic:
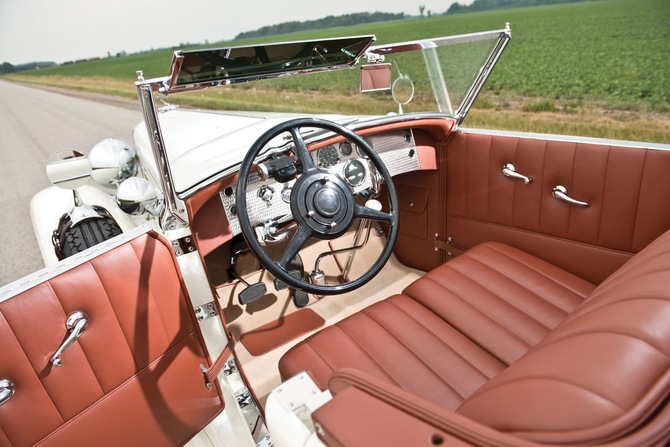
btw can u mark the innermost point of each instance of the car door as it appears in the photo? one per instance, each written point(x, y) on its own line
point(620, 190)
point(134, 374)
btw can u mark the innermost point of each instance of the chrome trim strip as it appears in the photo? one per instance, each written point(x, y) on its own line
point(47, 273)
point(433, 43)
point(567, 139)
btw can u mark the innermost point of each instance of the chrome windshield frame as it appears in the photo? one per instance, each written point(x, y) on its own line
point(174, 214)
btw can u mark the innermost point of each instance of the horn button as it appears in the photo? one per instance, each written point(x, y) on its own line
point(325, 203)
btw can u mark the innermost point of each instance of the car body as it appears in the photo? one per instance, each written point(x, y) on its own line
point(584, 205)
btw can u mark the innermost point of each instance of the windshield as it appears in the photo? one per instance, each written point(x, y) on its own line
point(433, 75)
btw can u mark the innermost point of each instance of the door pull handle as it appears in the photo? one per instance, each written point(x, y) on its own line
point(76, 323)
point(510, 171)
point(6, 391)
point(561, 193)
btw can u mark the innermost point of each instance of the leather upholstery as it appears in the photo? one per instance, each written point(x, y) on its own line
point(457, 311)
point(518, 346)
point(624, 187)
point(130, 378)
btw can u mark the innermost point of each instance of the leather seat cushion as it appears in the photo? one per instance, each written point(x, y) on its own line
point(451, 331)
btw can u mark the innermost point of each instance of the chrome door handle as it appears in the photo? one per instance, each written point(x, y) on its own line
point(510, 171)
point(561, 193)
point(6, 391)
point(76, 323)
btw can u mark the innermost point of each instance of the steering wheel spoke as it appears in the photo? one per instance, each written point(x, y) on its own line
point(364, 212)
point(301, 151)
point(298, 241)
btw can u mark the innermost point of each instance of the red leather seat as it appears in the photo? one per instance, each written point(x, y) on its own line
point(452, 330)
point(518, 346)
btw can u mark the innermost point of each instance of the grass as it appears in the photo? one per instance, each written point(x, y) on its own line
point(599, 68)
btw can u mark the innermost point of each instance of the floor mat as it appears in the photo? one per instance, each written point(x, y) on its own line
point(276, 333)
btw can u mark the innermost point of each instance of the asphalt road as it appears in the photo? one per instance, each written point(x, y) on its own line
point(34, 123)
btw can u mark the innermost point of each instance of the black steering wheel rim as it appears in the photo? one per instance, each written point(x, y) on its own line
point(275, 267)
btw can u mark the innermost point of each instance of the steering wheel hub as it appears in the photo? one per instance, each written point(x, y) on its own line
point(324, 204)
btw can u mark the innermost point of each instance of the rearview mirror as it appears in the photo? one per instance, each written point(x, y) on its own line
point(375, 77)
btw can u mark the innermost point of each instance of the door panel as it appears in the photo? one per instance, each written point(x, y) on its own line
point(626, 187)
point(132, 377)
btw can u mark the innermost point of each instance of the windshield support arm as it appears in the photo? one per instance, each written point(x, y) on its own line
point(174, 213)
point(503, 40)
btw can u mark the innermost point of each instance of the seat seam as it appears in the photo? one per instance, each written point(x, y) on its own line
point(415, 356)
point(484, 351)
point(525, 264)
point(502, 298)
point(505, 329)
point(549, 379)
point(605, 332)
point(368, 355)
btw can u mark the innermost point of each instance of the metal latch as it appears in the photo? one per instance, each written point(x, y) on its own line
point(206, 311)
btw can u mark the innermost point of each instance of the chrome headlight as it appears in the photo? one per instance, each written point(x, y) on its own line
point(112, 162)
point(136, 195)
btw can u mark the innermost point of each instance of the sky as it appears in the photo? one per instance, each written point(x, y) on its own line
point(65, 30)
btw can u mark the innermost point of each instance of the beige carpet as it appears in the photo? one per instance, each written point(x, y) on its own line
point(262, 370)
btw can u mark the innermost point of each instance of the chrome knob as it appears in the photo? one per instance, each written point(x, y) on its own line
point(76, 323)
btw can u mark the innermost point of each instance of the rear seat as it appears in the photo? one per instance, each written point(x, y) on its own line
point(517, 344)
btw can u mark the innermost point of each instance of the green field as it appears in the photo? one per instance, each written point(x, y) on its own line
point(582, 60)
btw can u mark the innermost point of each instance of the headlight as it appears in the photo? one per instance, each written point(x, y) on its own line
point(112, 162)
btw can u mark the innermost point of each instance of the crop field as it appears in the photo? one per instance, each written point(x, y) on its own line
point(597, 68)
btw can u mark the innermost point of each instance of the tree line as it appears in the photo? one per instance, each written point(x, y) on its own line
point(484, 5)
point(326, 22)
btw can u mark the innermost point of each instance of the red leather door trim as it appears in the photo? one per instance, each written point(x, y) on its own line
point(132, 378)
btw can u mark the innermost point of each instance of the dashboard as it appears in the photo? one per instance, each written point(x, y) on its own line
point(269, 201)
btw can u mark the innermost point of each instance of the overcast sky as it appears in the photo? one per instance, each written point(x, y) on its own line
point(63, 30)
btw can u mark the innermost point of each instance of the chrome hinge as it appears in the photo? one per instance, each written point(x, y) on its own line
point(206, 311)
point(183, 246)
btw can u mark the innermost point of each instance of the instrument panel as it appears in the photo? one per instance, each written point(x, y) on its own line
point(268, 200)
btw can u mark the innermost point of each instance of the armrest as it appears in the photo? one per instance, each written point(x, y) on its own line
point(368, 411)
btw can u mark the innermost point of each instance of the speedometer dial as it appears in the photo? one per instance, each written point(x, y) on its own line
point(327, 156)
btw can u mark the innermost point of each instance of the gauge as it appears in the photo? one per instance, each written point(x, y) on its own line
point(354, 172)
point(346, 148)
point(327, 156)
point(360, 152)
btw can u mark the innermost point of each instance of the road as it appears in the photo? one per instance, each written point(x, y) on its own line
point(34, 123)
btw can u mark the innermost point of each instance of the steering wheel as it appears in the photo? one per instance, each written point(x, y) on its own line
point(322, 204)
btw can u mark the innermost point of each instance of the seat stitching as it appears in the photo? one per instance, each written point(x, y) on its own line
point(549, 379)
point(504, 328)
point(606, 332)
point(570, 289)
point(523, 286)
point(366, 353)
point(502, 298)
point(414, 354)
point(323, 359)
point(445, 343)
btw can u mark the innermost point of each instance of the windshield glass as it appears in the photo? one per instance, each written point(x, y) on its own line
point(426, 76)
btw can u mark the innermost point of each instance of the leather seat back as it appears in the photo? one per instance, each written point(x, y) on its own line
point(601, 373)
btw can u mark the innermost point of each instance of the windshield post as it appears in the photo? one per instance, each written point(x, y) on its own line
point(173, 215)
point(505, 36)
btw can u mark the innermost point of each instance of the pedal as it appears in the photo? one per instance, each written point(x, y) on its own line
point(281, 285)
point(252, 292)
point(300, 298)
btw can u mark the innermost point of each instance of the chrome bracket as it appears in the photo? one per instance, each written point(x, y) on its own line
point(183, 246)
point(206, 311)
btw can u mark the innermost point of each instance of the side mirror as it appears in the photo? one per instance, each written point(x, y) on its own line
point(68, 169)
point(375, 77)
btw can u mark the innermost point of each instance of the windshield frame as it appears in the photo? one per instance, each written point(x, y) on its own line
point(174, 215)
